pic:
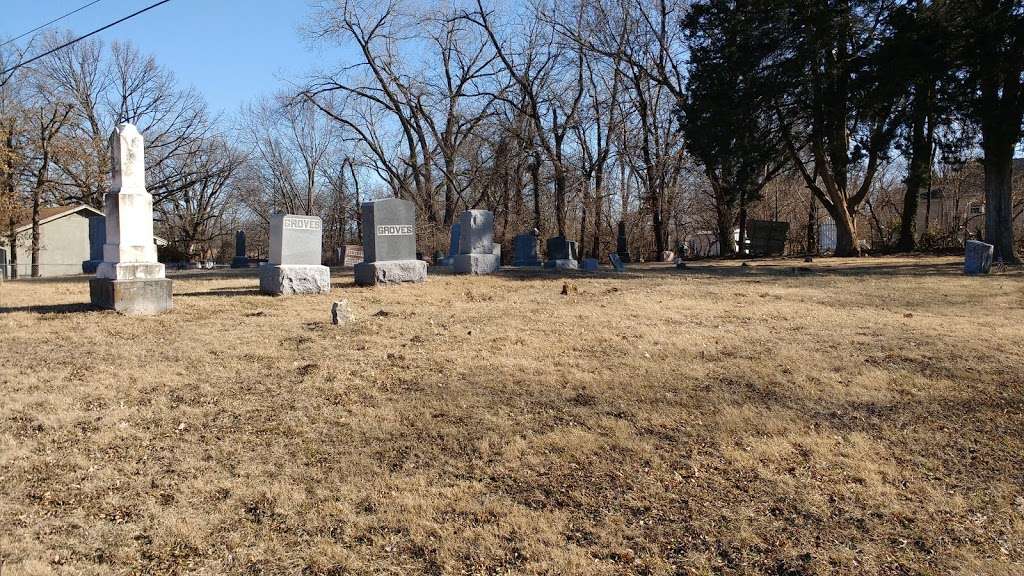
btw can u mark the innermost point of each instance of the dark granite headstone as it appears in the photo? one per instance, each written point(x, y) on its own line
point(389, 230)
point(977, 257)
point(389, 244)
point(456, 239)
point(622, 244)
point(617, 262)
point(558, 248)
point(240, 260)
point(526, 250)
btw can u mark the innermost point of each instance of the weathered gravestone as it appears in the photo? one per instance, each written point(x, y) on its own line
point(591, 264)
point(296, 246)
point(350, 255)
point(622, 244)
point(240, 260)
point(476, 244)
point(389, 244)
point(977, 257)
point(526, 250)
point(617, 262)
point(130, 280)
point(453, 246)
point(562, 254)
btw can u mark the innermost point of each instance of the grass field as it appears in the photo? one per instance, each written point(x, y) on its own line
point(840, 417)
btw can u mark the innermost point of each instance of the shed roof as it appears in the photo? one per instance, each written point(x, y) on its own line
point(48, 213)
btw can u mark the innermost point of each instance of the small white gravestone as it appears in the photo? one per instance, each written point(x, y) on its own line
point(130, 280)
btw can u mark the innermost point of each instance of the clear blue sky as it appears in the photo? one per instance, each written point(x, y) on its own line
point(231, 51)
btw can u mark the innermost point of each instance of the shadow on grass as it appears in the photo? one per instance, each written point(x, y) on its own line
point(75, 308)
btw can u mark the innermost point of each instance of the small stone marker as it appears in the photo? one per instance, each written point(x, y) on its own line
point(668, 256)
point(340, 312)
point(617, 262)
point(296, 245)
point(240, 260)
point(130, 280)
point(389, 244)
point(591, 264)
point(977, 257)
point(562, 254)
point(526, 251)
point(622, 244)
point(476, 244)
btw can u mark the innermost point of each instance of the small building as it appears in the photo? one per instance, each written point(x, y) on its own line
point(71, 242)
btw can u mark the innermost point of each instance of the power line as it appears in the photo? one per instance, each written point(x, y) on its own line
point(83, 37)
point(58, 19)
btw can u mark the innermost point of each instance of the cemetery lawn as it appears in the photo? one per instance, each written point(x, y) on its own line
point(860, 416)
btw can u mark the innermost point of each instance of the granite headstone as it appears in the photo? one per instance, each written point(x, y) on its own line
point(389, 244)
point(617, 262)
point(622, 244)
point(977, 257)
point(526, 250)
point(296, 247)
point(562, 254)
point(476, 244)
point(240, 260)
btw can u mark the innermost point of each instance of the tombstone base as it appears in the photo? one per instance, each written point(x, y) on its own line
point(527, 263)
point(591, 264)
point(240, 262)
point(563, 264)
point(284, 280)
point(476, 263)
point(390, 272)
point(131, 297)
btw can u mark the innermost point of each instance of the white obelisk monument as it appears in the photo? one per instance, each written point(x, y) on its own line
point(130, 280)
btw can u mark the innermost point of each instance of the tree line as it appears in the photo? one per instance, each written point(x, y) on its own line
point(673, 116)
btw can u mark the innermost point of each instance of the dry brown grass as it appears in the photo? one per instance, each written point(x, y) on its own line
point(864, 417)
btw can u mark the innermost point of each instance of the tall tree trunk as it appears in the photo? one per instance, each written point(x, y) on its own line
point(595, 247)
point(918, 171)
point(585, 208)
point(846, 231)
point(726, 219)
point(12, 244)
point(535, 177)
point(812, 227)
point(999, 202)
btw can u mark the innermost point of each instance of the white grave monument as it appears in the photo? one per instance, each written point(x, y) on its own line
point(296, 246)
point(130, 280)
point(476, 244)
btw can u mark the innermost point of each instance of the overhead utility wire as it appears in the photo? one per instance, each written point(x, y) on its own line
point(58, 19)
point(80, 38)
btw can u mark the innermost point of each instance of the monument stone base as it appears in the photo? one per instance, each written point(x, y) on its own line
point(133, 297)
point(283, 280)
point(476, 263)
point(390, 272)
point(240, 262)
point(591, 264)
point(563, 264)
